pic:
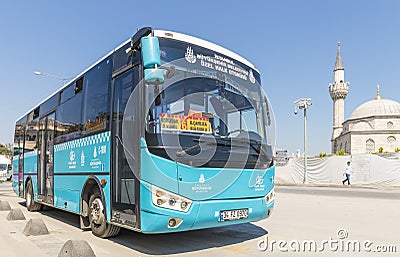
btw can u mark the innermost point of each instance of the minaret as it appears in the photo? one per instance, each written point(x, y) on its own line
point(338, 91)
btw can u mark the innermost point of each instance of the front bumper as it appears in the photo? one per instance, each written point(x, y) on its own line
point(202, 214)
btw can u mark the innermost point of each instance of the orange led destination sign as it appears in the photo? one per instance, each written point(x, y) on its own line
point(185, 123)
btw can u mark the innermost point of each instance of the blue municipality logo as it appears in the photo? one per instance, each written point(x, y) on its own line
point(72, 156)
point(72, 162)
point(82, 159)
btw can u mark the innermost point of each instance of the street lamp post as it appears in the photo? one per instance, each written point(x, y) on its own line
point(64, 80)
point(303, 104)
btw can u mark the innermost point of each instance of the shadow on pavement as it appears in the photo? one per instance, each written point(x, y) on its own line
point(172, 243)
point(63, 216)
point(183, 242)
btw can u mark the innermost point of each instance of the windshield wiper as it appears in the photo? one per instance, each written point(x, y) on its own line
point(185, 151)
point(251, 142)
point(255, 145)
point(196, 146)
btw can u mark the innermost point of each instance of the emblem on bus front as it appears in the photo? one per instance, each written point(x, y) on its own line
point(189, 55)
point(202, 179)
point(259, 180)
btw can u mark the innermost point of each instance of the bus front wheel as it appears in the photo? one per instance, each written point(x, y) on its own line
point(98, 223)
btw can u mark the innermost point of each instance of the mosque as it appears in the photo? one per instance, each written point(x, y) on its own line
point(371, 126)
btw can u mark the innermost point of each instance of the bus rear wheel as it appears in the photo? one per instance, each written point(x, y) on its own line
point(30, 202)
point(98, 223)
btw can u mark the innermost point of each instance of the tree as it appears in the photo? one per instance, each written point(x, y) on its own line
point(322, 154)
point(5, 150)
point(341, 152)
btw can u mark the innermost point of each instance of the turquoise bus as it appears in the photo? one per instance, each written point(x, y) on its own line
point(166, 133)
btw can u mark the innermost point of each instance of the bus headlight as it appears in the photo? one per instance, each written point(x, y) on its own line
point(270, 196)
point(165, 199)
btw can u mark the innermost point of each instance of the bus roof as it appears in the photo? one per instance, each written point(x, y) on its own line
point(161, 34)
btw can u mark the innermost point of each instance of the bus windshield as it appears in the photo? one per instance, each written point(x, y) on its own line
point(202, 105)
point(208, 94)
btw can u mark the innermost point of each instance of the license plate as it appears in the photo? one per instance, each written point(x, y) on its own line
point(233, 214)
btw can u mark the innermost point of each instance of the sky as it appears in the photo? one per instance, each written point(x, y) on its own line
point(292, 43)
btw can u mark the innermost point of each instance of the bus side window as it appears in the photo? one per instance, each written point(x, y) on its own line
point(69, 120)
point(97, 91)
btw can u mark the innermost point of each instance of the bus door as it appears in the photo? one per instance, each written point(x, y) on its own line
point(46, 158)
point(125, 184)
point(21, 136)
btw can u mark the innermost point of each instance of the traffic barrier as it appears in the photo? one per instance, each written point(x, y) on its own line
point(4, 206)
point(35, 227)
point(15, 214)
point(76, 248)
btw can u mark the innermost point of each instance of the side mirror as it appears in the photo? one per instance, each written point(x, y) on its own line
point(154, 76)
point(151, 60)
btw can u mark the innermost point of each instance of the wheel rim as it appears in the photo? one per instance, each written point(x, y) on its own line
point(96, 211)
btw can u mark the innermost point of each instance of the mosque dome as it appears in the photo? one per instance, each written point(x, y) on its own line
point(376, 107)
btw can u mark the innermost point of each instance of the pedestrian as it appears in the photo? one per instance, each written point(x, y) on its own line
point(347, 171)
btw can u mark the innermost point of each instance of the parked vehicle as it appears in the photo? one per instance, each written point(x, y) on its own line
point(5, 168)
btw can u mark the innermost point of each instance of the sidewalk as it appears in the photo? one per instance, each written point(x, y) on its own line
point(339, 185)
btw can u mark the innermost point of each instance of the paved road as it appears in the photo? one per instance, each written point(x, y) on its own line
point(301, 213)
point(342, 191)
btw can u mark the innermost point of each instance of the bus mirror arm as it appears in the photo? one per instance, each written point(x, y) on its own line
point(135, 39)
point(170, 71)
point(130, 51)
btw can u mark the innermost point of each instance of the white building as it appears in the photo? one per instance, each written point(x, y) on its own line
point(372, 125)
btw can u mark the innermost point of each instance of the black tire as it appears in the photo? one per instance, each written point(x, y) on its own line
point(45, 208)
point(31, 205)
point(98, 222)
